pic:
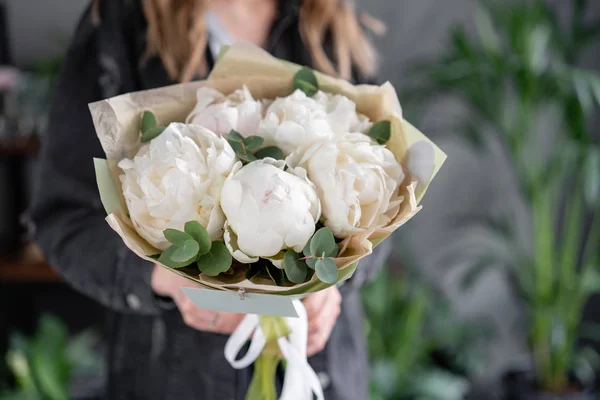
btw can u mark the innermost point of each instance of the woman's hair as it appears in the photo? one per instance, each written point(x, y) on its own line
point(177, 34)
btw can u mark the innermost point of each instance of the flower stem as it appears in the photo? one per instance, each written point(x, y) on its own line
point(262, 386)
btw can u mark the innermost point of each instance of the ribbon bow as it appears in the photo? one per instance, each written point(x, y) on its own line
point(300, 380)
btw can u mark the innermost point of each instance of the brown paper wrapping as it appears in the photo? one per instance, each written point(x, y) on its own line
point(117, 122)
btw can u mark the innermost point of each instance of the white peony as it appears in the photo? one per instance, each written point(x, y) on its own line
point(298, 121)
point(177, 178)
point(357, 181)
point(268, 210)
point(220, 114)
point(295, 121)
point(341, 114)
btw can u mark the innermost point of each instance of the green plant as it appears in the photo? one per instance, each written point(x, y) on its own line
point(44, 364)
point(417, 350)
point(520, 69)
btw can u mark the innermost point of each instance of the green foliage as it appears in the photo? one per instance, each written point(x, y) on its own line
point(253, 142)
point(295, 269)
point(254, 270)
point(234, 136)
point(177, 237)
point(417, 350)
point(523, 63)
point(277, 275)
point(199, 234)
point(166, 258)
point(323, 244)
point(148, 121)
point(193, 245)
point(326, 270)
point(381, 132)
point(306, 80)
point(152, 133)
point(246, 149)
point(150, 128)
point(44, 364)
point(216, 261)
point(317, 255)
point(271, 152)
point(186, 253)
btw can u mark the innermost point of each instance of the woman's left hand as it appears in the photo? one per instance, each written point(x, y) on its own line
point(322, 309)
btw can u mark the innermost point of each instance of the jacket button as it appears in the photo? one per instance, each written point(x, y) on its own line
point(133, 301)
point(324, 379)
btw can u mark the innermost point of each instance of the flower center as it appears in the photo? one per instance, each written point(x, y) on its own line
point(278, 191)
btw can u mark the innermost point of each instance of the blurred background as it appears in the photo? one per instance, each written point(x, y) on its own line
point(492, 290)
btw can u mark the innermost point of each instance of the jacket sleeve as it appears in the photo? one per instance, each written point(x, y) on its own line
point(67, 211)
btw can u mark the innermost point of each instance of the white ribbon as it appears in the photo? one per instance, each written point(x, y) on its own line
point(300, 381)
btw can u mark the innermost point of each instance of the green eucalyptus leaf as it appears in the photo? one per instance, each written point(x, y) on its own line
point(306, 80)
point(311, 262)
point(200, 235)
point(216, 261)
point(148, 121)
point(333, 251)
point(253, 142)
point(327, 271)
point(151, 134)
point(295, 269)
point(271, 152)
point(238, 147)
point(306, 250)
point(177, 237)
point(309, 274)
point(323, 242)
point(248, 157)
point(186, 253)
point(381, 132)
point(234, 136)
point(166, 258)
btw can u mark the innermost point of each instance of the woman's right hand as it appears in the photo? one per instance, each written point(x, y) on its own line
point(168, 284)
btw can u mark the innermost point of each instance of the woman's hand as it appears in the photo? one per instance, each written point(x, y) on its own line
point(322, 309)
point(168, 284)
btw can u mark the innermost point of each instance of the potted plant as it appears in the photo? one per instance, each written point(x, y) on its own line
point(46, 366)
point(417, 349)
point(520, 67)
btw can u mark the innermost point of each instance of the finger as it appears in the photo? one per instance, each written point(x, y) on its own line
point(331, 304)
point(321, 330)
point(315, 302)
point(217, 322)
point(199, 319)
point(229, 323)
point(324, 320)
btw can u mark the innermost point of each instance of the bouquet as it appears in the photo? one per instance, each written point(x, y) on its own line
point(263, 183)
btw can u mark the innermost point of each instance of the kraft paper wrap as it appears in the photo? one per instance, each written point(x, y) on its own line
point(117, 121)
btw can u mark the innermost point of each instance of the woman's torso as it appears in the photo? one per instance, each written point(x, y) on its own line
point(160, 357)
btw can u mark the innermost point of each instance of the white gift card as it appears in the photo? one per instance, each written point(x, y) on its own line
point(248, 303)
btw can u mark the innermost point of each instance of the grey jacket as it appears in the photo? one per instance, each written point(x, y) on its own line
point(152, 354)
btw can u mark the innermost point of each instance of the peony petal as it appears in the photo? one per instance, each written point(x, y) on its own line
point(270, 209)
point(230, 240)
point(169, 182)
